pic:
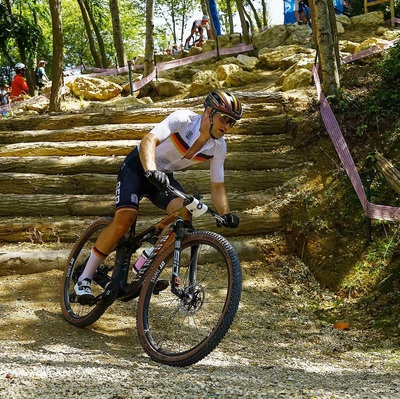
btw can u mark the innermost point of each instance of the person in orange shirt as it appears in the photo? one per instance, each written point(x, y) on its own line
point(19, 87)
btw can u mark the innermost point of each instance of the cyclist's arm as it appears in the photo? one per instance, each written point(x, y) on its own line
point(219, 197)
point(147, 151)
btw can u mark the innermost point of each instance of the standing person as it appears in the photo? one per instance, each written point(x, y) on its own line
point(4, 99)
point(4, 94)
point(199, 25)
point(182, 139)
point(41, 76)
point(19, 87)
point(302, 13)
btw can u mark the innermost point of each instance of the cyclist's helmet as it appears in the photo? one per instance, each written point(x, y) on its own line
point(225, 103)
point(205, 18)
point(20, 67)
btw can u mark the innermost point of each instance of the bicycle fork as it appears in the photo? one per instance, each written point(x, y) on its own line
point(175, 280)
point(187, 293)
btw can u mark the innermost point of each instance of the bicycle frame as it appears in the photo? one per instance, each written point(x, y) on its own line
point(168, 230)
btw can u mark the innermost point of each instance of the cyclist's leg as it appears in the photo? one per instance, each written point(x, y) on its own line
point(128, 192)
point(166, 200)
point(192, 32)
point(108, 239)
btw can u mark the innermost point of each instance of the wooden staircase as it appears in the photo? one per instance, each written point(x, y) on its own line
point(58, 173)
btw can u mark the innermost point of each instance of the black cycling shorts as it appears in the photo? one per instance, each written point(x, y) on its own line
point(132, 185)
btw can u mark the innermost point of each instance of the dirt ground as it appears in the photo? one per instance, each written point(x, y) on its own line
point(277, 347)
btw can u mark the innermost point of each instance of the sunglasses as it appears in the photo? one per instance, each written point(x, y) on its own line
point(226, 119)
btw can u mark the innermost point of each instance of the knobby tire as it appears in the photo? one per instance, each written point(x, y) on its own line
point(180, 332)
point(76, 314)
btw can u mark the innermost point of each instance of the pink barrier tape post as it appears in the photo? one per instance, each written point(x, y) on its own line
point(374, 211)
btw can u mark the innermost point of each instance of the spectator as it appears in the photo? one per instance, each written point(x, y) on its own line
point(302, 13)
point(175, 50)
point(198, 26)
point(19, 87)
point(41, 77)
point(4, 94)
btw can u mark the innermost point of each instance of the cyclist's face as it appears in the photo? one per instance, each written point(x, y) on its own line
point(221, 123)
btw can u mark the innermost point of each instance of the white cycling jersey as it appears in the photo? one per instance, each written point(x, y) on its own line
point(199, 24)
point(177, 133)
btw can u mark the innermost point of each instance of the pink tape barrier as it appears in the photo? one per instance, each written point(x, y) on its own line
point(367, 52)
point(373, 211)
point(163, 66)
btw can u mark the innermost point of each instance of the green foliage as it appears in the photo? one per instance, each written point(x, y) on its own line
point(377, 264)
point(375, 96)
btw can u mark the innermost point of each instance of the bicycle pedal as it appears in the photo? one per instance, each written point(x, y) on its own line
point(85, 300)
point(160, 285)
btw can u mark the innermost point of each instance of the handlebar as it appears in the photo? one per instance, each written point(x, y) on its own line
point(195, 207)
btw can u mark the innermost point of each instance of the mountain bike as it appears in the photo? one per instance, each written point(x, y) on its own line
point(189, 288)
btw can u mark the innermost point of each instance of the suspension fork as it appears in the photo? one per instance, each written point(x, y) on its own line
point(175, 280)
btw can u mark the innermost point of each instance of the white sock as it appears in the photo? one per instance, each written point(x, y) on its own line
point(94, 261)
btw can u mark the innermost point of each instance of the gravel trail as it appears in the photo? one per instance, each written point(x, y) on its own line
point(277, 348)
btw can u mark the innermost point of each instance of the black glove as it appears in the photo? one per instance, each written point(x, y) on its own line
point(159, 179)
point(300, 23)
point(230, 220)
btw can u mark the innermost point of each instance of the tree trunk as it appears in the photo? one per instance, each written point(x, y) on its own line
point(55, 95)
point(117, 34)
point(264, 13)
point(92, 46)
point(255, 14)
point(322, 30)
point(100, 41)
point(245, 30)
point(230, 16)
point(149, 48)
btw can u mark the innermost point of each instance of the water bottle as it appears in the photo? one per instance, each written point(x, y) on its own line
point(142, 259)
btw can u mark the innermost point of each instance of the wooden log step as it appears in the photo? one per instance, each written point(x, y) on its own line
point(86, 133)
point(389, 171)
point(67, 230)
point(133, 132)
point(101, 205)
point(194, 181)
point(247, 99)
point(260, 160)
point(67, 121)
point(64, 121)
point(110, 164)
point(36, 258)
point(75, 148)
point(261, 144)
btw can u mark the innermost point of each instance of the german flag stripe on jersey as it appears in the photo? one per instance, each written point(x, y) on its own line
point(183, 148)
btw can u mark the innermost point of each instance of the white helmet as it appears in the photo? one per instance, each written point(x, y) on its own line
point(205, 18)
point(20, 66)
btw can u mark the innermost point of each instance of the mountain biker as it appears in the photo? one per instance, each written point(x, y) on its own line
point(182, 139)
point(199, 25)
point(19, 87)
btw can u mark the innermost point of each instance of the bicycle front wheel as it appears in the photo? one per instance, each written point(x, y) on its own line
point(75, 313)
point(180, 330)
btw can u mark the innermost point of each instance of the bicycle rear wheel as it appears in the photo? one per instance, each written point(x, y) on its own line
point(180, 331)
point(75, 313)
